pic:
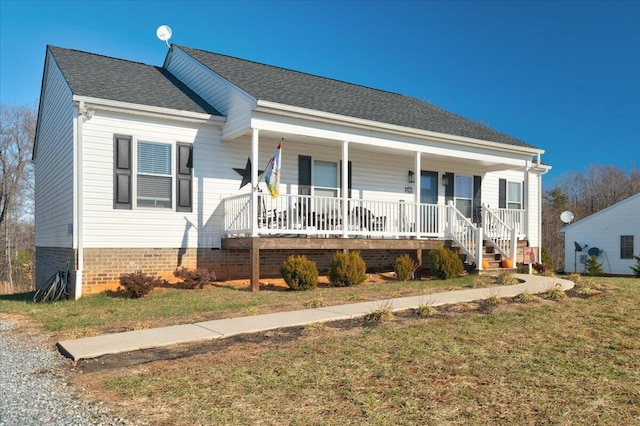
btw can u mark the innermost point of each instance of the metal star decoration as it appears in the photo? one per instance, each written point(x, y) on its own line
point(246, 173)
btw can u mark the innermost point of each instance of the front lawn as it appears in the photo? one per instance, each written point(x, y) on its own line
point(104, 312)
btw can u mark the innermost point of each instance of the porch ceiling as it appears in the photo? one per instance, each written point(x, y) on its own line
point(486, 163)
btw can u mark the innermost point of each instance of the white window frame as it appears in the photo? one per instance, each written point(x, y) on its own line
point(457, 198)
point(510, 203)
point(136, 173)
point(335, 191)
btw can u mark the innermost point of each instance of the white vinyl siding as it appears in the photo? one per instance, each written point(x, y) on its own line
point(603, 230)
point(374, 177)
point(232, 102)
point(53, 162)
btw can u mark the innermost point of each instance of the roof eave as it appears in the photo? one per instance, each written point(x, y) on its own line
point(148, 110)
point(290, 110)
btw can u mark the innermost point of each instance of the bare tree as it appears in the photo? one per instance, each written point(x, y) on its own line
point(17, 132)
point(598, 187)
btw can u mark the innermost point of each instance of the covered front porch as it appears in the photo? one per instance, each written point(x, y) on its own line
point(332, 223)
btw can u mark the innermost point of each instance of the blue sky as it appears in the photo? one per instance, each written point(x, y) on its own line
point(561, 75)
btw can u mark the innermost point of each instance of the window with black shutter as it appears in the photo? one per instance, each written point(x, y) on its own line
point(122, 172)
point(184, 184)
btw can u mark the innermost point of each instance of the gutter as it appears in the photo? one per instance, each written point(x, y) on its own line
point(309, 114)
point(148, 111)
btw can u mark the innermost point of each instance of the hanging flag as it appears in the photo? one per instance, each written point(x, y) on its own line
point(272, 173)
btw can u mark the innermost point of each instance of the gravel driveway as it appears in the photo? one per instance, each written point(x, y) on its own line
point(32, 390)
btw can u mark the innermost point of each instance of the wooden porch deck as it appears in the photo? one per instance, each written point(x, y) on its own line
point(255, 244)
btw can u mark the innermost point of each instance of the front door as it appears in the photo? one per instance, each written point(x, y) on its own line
point(428, 187)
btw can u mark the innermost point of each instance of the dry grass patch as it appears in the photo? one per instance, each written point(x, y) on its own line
point(544, 363)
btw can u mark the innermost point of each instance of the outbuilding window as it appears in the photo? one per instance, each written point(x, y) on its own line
point(626, 247)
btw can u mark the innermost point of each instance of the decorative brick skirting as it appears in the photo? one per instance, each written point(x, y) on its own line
point(104, 266)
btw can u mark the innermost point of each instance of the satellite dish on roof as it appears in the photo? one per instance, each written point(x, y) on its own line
point(566, 216)
point(164, 33)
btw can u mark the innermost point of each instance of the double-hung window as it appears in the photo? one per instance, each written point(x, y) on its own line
point(510, 195)
point(159, 172)
point(514, 195)
point(154, 175)
point(463, 193)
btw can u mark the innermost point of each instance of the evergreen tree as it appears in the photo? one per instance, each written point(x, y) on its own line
point(636, 269)
point(594, 268)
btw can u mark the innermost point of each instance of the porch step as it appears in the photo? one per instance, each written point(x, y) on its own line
point(496, 271)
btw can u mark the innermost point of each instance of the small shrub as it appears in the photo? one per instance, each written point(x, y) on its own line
point(505, 278)
point(575, 277)
point(546, 258)
point(544, 269)
point(138, 284)
point(347, 269)
point(445, 264)
point(195, 278)
point(300, 273)
point(480, 281)
point(554, 293)
point(405, 267)
point(494, 300)
point(525, 297)
point(382, 314)
point(425, 311)
point(594, 269)
point(316, 303)
point(636, 268)
point(587, 291)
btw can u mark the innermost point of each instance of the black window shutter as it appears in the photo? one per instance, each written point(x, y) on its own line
point(524, 196)
point(304, 175)
point(502, 194)
point(184, 184)
point(449, 189)
point(122, 172)
point(477, 199)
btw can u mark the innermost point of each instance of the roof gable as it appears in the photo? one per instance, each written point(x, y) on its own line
point(602, 212)
point(270, 83)
point(103, 77)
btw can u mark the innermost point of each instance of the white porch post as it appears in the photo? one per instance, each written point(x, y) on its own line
point(525, 202)
point(417, 195)
point(345, 188)
point(479, 249)
point(254, 181)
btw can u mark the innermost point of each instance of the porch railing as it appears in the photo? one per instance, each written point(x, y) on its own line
point(315, 215)
point(467, 235)
point(513, 218)
point(290, 214)
point(499, 234)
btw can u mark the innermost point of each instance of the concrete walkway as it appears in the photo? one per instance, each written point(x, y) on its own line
point(96, 346)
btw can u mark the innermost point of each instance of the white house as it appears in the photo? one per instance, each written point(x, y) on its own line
point(140, 167)
point(613, 234)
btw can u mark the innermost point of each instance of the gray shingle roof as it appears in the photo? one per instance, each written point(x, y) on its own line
point(270, 83)
point(115, 79)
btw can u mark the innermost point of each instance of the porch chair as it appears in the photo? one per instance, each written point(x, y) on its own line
point(367, 220)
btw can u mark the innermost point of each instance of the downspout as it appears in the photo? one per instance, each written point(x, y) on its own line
point(83, 113)
point(540, 210)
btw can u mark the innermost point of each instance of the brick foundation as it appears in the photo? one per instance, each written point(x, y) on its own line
point(103, 267)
